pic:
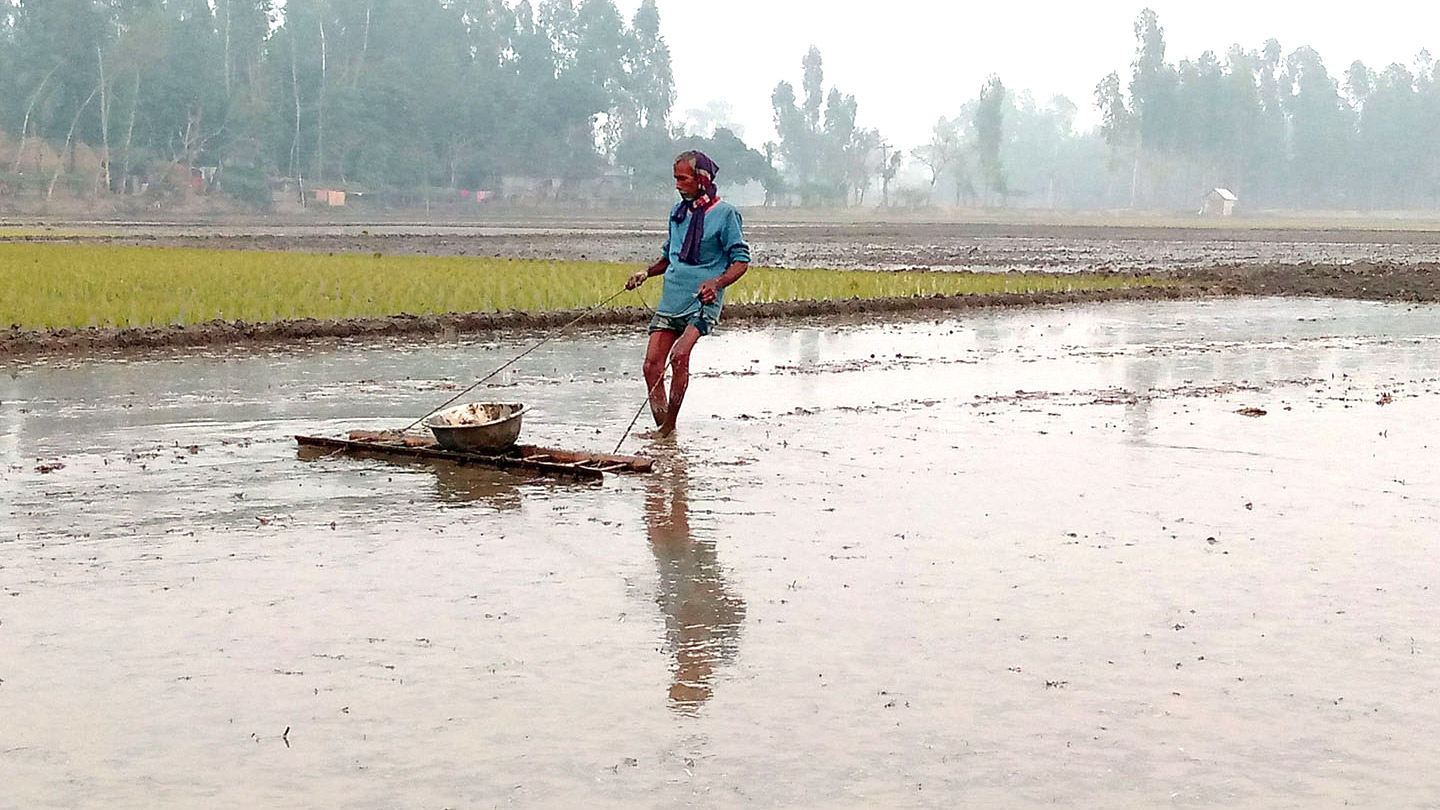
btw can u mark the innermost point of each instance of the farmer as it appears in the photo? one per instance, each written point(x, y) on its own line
point(703, 254)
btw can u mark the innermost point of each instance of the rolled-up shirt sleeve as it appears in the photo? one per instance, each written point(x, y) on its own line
point(733, 241)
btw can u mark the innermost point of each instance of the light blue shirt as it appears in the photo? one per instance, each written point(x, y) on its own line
point(721, 246)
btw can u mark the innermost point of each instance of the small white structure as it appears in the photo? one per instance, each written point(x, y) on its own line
point(1219, 202)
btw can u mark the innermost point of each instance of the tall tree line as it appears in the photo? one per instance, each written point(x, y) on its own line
point(827, 158)
point(420, 93)
point(402, 93)
point(1278, 128)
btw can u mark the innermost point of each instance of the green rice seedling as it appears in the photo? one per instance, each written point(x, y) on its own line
point(49, 286)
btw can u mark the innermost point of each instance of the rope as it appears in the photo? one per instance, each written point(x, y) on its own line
point(659, 382)
point(556, 333)
point(669, 360)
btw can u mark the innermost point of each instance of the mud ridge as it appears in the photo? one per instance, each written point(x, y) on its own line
point(18, 342)
point(1381, 281)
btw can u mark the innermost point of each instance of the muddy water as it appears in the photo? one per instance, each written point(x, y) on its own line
point(1013, 559)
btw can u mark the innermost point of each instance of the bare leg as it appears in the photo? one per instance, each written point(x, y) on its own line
point(679, 376)
point(657, 355)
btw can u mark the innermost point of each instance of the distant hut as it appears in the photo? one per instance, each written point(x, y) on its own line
point(285, 195)
point(527, 191)
point(1219, 202)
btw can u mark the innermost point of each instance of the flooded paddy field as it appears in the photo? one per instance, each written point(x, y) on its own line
point(776, 242)
point(1113, 554)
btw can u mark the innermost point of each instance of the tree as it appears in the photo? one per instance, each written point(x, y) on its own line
point(648, 154)
point(1035, 150)
point(989, 123)
point(1117, 127)
point(1395, 164)
point(944, 155)
point(650, 79)
point(838, 145)
point(826, 155)
point(1321, 132)
point(796, 149)
point(597, 80)
point(1152, 86)
point(1152, 101)
point(813, 84)
point(1240, 120)
point(1269, 159)
point(714, 115)
point(890, 163)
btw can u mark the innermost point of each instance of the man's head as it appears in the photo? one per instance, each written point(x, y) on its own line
point(695, 175)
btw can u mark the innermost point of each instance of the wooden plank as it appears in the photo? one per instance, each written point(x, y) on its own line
point(521, 457)
point(631, 463)
point(399, 450)
point(526, 451)
point(390, 436)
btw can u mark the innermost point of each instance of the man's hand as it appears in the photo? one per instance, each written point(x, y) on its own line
point(708, 289)
point(636, 279)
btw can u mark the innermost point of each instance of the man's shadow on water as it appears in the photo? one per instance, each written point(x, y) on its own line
point(702, 616)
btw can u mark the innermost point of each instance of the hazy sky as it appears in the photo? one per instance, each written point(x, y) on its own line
point(907, 62)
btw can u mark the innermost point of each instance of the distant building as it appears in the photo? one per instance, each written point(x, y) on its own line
point(285, 195)
point(527, 191)
point(1219, 202)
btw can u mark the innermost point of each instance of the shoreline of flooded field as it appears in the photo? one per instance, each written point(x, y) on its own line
point(1061, 246)
point(1124, 553)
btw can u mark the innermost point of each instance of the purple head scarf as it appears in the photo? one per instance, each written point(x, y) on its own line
point(705, 169)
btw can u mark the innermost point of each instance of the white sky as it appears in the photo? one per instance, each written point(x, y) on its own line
point(908, 62)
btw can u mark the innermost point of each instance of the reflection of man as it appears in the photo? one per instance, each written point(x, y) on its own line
point(702, 619)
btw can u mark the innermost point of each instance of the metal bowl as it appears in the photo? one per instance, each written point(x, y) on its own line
point(480, 427)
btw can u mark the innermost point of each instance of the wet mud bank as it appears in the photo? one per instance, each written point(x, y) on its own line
point(22, 342)
point(852, 245)
point(1361, 280)
point(1368, 264)
point(1372, 281)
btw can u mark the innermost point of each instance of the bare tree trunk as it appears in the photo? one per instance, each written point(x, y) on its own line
point(104, 122)
point(295, 86)
point(1134, 178)
point(25, 127)
point(60, 164)
point(129, 132)
point(191, 140)
point(320, 113)
point(226, 3)
point(884, 176)
point(364, 49)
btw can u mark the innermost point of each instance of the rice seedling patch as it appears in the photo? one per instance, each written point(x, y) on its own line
point(49, 286)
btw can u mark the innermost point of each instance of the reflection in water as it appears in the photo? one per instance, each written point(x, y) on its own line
point(463, 483)
point(454, 483)
point(1141, 378)
point(702, 618)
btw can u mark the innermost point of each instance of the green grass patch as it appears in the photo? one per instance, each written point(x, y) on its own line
point(76, 286)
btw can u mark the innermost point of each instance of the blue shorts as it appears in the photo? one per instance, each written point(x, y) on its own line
point(677, 323)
